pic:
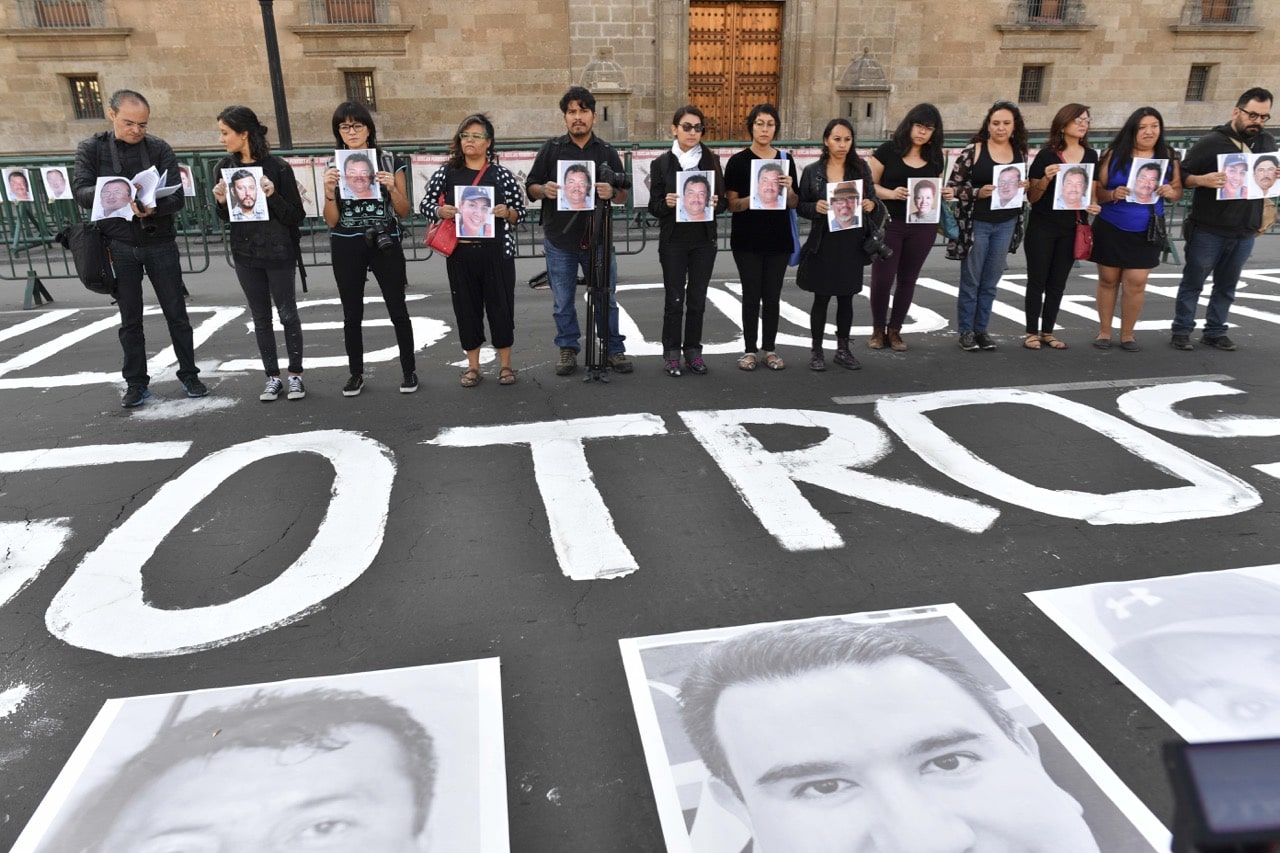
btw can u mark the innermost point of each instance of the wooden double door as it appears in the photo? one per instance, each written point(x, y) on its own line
point(735, 60)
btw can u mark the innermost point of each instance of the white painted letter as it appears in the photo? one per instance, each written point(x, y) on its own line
point(1154, 408)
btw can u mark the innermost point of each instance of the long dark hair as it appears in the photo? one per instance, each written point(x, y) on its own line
point(354, 111)
point(1058, 127)
point(244, 120)
point(929, 116)
point(1019, 138)
point(1120, 152)
point(456, 158)
point(853, 165)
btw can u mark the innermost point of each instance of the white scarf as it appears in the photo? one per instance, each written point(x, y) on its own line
point(688, 160)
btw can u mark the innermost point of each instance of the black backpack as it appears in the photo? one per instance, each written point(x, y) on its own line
point(91, 253)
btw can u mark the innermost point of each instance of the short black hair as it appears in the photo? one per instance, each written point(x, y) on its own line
point(577, 167)
point(358, 157)
point(791, 650)
point(582, 95)
point(1275, 161)
point(689, 110)
point(764, 110)
point(695, 179)
point(314, 719)
point(119, 96)
point(1257, 93)
point(354, 111)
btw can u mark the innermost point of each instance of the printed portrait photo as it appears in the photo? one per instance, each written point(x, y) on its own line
point(924, 200)
point(1145, 177)
point(396, 761)
point(695, 202)
point(245, 200)
point(577, 182)
point(188, 180)
point(767, 191)
point(1203, 649)
point(57, 186)
point(112, 198)
point(1008, 193)
point(1075, 182)
point(791, 737)
point(844, 205)
point(1236, 167)
point(17, 185)
point(357, 171)
point(475, 212)
point(1262, 175)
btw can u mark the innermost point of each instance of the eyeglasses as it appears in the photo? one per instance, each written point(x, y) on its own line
point(142, 125)
point(924, 126)
point(353, 127)
point(690, 128)
point(1249, 114)
point(478, 137)
point(1082, 120)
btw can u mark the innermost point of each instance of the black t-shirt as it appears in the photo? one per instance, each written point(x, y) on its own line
point(757, 230)
point(1045, 158)
point(982, 174)
point(895, 175)
point(564, 228)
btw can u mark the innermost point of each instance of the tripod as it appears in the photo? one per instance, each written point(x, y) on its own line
point(599, 238)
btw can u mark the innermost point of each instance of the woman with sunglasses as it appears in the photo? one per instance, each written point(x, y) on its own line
point(760, 239)
point(365, 235)
point(686, 250)
point(482, 272)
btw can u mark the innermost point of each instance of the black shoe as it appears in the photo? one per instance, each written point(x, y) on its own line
point(816, 361)
point(410, 383)
point(1182, 342)
point(134, 395)
point(845, 359)
point(354, 386)
point(967, 342)
point(1221, 342)
point(696, 365)
point(983, 340)
point(195, 388)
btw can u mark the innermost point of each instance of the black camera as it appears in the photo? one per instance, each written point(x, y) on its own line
point(380, 237)
point(874, 245)
point(612, 178)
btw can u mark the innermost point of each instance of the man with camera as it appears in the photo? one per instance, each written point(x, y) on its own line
point(565, 232)
point(147, 243)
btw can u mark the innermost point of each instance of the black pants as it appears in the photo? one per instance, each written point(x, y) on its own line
point(262, 287)
point(482, 282)
point(1050, 255)
point(161, 263)
point(686, 273)
point(761, 274)
point(818, 318)
point(352, 259)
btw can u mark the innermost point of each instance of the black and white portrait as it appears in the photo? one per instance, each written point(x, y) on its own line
point(893, 731)
point(1203, 650)
point(397, 761)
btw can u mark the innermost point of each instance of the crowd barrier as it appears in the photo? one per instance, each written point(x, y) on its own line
point(29, 226)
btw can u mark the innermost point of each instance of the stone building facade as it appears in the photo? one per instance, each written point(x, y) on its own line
point(427, 63)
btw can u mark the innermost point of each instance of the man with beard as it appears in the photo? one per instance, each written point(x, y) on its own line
point(1264, 174)
point(1219, 234)
point(244, 192)
point(564, 230)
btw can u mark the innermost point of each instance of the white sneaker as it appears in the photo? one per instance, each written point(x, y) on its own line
point(296, 391)
point(273, 389)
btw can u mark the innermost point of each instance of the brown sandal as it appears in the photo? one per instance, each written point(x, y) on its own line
point(747, 361)
point(507, 376)
point(1051, 342)
point(471, 377)
point(1032, 342)
point(773, 361)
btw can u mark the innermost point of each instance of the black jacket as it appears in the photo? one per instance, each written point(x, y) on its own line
point(94, 160)
point(1223, 218)
point(272, 243)
point(662, 180)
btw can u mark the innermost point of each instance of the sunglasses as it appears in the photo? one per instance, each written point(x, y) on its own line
point(690, 128)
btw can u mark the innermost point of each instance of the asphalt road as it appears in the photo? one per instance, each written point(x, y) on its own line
point(656, 539)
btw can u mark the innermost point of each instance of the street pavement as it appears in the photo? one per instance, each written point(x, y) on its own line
point(542, 522)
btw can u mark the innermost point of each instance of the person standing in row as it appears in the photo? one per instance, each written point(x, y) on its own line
point(836, 259)
point(761, 240)
point(482, 271)
point(987, 236)
point(915, 151)
point(1051, 234)
point(1219, 234)
point(1124, 255)
point(564, 231)
point(365, 235)
point(686, 250)
point(147, 243)
point(265, 252)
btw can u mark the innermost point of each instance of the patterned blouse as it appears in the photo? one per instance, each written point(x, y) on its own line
point(507, 190)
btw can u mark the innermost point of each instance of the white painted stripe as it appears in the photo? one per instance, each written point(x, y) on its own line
point(1052, 387)
point(90, 454)
point(26, 547)
point(36, 323)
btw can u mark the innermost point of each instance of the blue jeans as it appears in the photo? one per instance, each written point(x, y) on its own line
point(980, 272)
point(1225, 258)
point(562, 272)
point(161, 263)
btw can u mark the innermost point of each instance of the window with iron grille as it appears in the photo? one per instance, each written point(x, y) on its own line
point(1217, 12)
point(1198, 83)
point(359, 85)
point(86, 97)
point(1045, 10)
point(60, 13)
point(1031, 86)
point(1047, 13)
point(349, 11)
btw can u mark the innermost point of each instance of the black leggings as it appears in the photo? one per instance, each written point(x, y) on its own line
point(818, 318)
point(352, 260)
point(761, 274)
point(261, 288)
